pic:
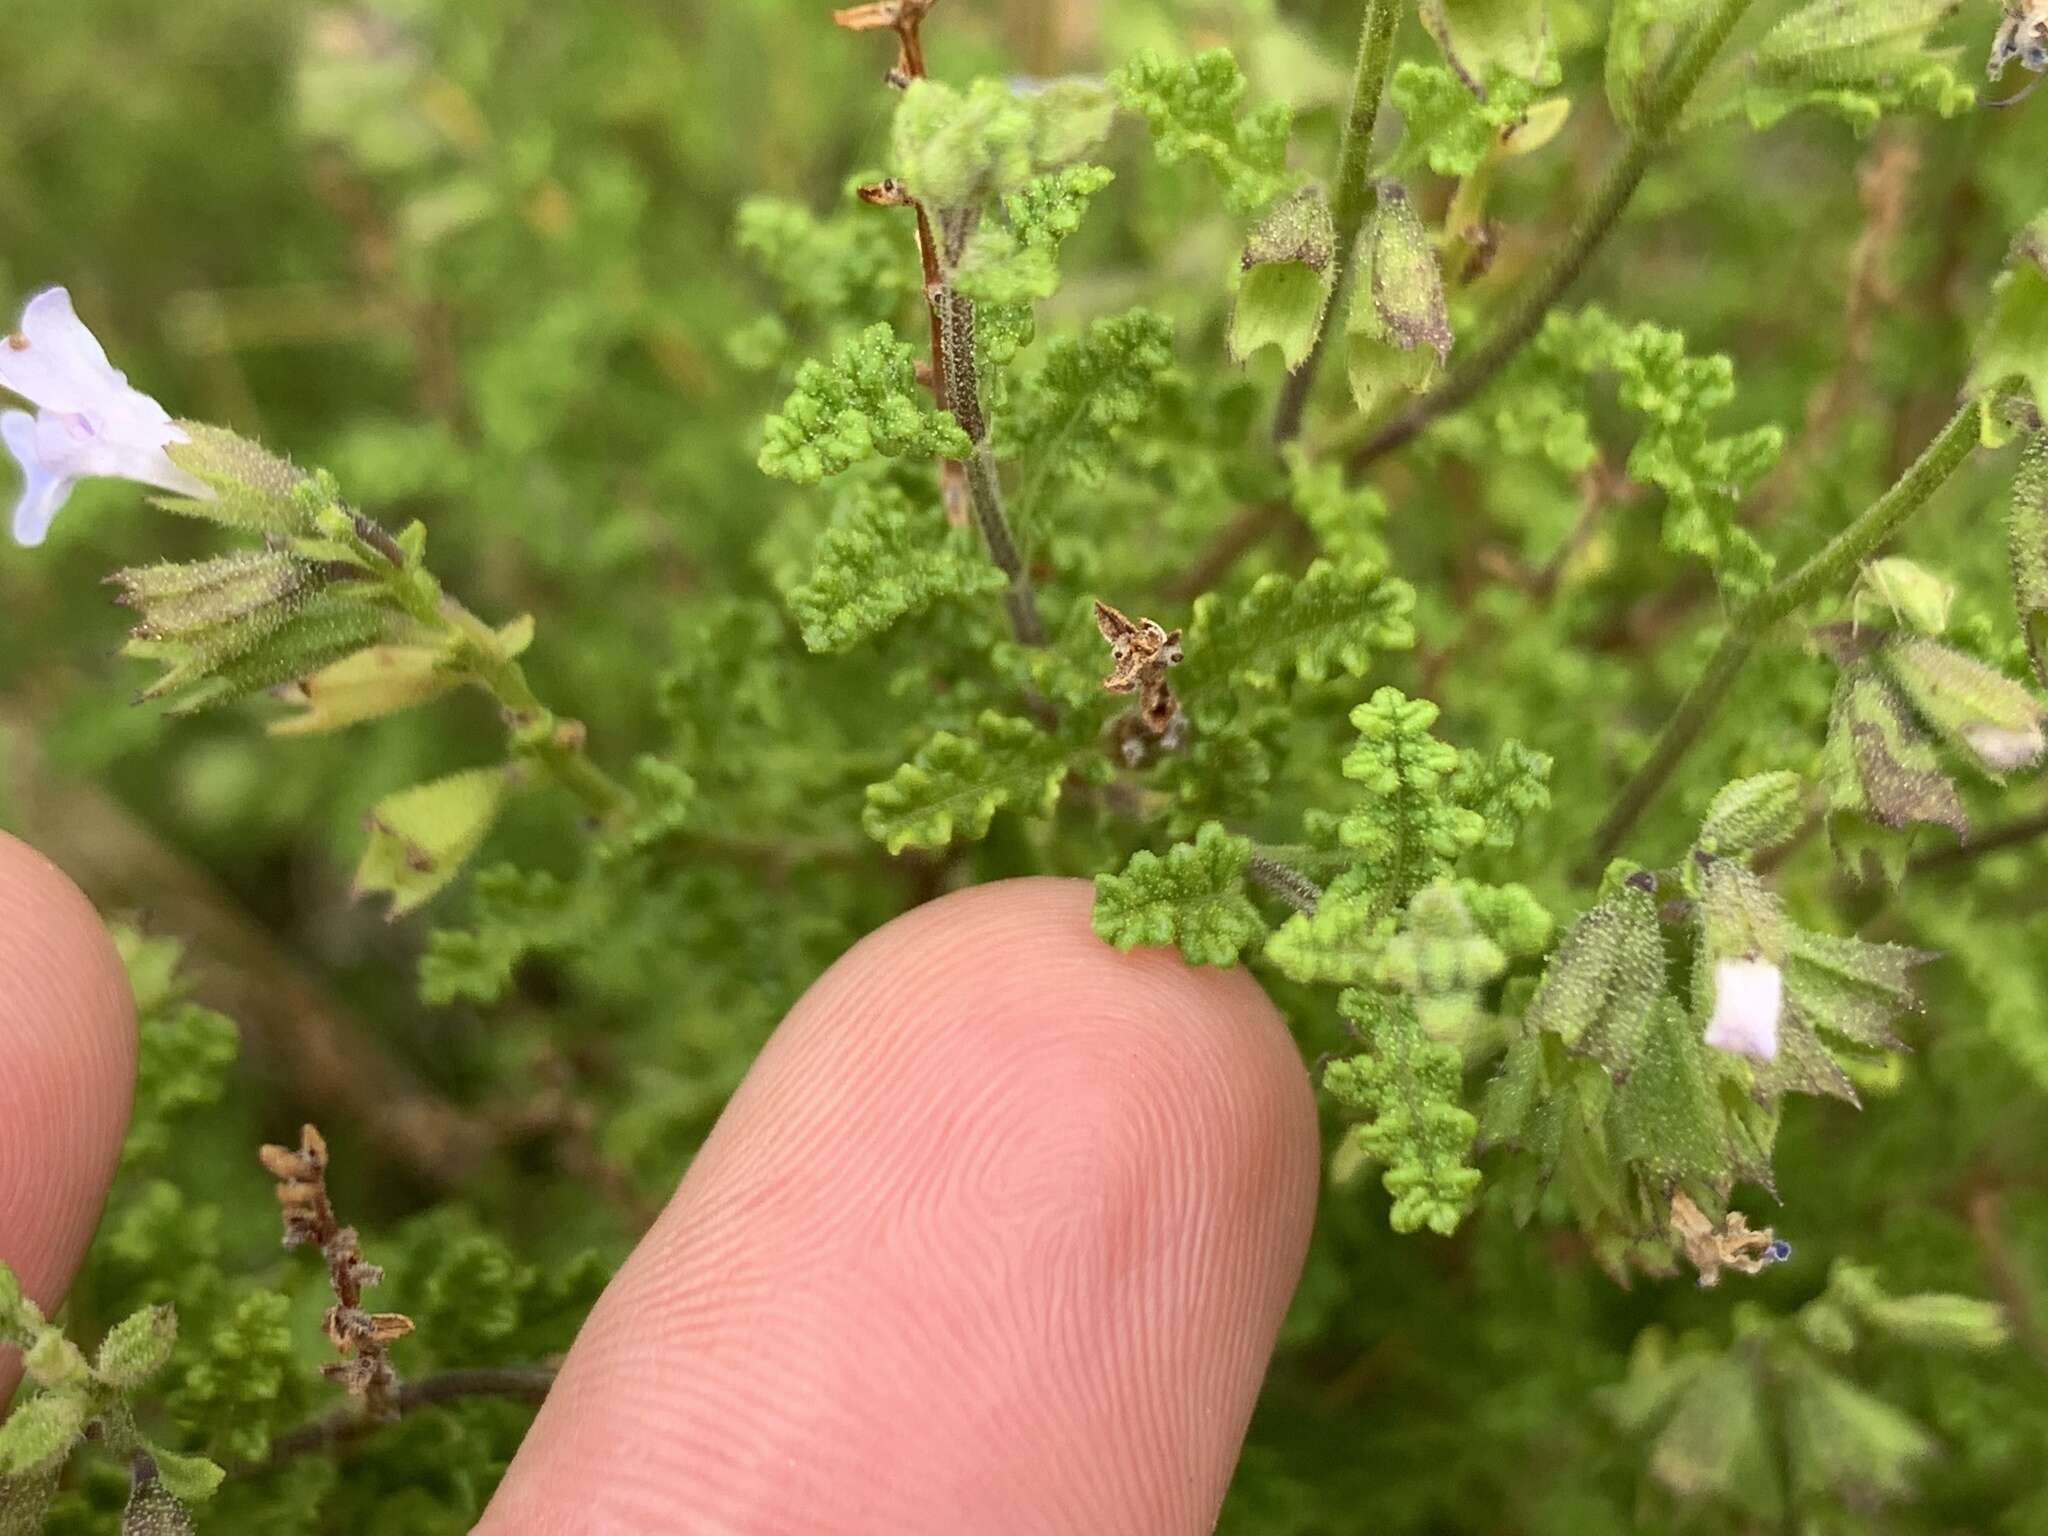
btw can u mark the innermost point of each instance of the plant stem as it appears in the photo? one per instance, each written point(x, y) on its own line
point(984, 485)
point(554, 742)
point(1270, 873)
point(526, 1383)
point(1649, 136)
point(1353, 201)
point(1841, 555)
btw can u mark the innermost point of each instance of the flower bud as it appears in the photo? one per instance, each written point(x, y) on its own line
point(1289, 265)
point(1399, 326)
point(1981, 712)
point(1752, 815)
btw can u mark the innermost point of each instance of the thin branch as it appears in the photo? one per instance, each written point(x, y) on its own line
point(2011, 835)
point(1842, 554)
point(345, 1426)
point(1354, 199)
point(1602, 213)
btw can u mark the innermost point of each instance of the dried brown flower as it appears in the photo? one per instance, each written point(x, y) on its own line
point(1711, 1247)
point(1140, 651)
point(359, 1336)
point(903, 17)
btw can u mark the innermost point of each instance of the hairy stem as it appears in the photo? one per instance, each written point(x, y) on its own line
point(984, 485)
point(1650, 135)
point(1283, 880)
point(1840, 557)
point(1353, 201)
point(553, 741)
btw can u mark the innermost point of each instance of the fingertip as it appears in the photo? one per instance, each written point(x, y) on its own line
point(996, 1235)
point(67, 1038)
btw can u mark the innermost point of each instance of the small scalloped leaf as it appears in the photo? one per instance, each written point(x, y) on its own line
point(955, 784)
point(1193, 897)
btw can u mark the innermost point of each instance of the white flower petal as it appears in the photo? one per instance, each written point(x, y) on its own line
point(53, 361)
point(2004, 748)
point(1749, 996)
point(43, 489)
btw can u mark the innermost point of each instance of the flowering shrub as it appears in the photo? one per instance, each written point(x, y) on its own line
point(1533, 538)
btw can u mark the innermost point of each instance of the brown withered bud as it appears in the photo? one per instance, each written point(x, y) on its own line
point(1140, 651)
point(903, 17)
point(359, 1336)
point(886, 193)
point(1710, 1247)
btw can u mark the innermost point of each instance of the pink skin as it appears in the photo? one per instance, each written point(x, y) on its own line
point(996, 1236)
point(67, 1068)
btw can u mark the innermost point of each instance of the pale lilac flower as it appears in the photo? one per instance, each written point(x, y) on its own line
point(88, 420)
point(1748, 997)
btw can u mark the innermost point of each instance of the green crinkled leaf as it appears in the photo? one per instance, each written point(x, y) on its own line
point(1289, 267)
point(1069, 416)
point(1016, 263)
point(1341, 941)
point(1860, 59)
point(1448, 128)
point(189, 1479)
point(1408, 830)
point(960, 149)
point(1346, 519)
point(882, 559)
point(865, 402)
point(1192, 108)
point(955, 784)
point(1328, 622)
point(421, 837)
point(1482, 39)
point(2014, 340)
point(1193, 898)
point(848, 267)
point(2027, 536)
point(1510, 916)
point(1604, 982)
point(1398, 332)
point(1705, 478)
point(1504, 790)
point(186, 1053)
point(516, 913)
point(245, 1384)
point(1419, 1130)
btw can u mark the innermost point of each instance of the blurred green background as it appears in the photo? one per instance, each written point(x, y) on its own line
point(477, 258)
